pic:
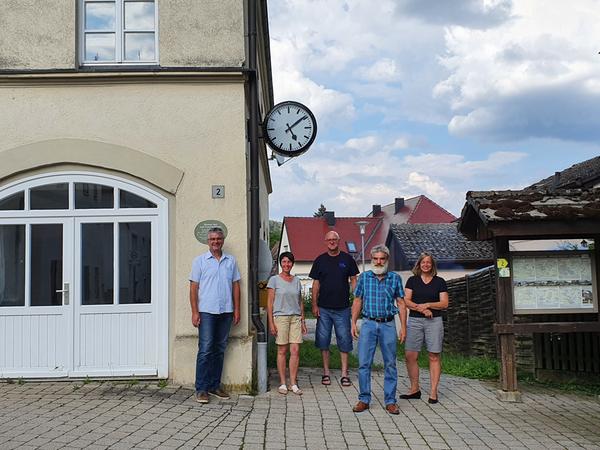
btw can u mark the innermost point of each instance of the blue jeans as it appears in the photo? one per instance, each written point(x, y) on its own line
point(371, 334)
point(338, 319)
point(212, 341)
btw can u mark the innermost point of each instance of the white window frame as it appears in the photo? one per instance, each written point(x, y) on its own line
point(119, 32)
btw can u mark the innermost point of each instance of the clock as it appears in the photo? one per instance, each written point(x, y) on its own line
point(290, 128)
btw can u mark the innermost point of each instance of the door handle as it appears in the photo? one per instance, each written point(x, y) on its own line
point(65, 293)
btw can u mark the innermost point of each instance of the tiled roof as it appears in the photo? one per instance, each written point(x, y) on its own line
point(583, 174)
point(530, 205)
point(419, 209)
point(306, 235)
point(428, 211)
point(443, 241)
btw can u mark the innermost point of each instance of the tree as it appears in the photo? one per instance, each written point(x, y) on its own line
point(321, 211)
point(274, 232)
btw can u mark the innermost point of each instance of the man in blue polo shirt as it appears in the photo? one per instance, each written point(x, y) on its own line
point(215, 302)
point(379, 297)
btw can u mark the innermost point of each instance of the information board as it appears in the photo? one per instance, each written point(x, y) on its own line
point(554, 282)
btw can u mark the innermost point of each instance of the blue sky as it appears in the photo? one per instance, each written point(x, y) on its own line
point(433, 97)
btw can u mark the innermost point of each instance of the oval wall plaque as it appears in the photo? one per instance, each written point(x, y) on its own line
point(201, 230)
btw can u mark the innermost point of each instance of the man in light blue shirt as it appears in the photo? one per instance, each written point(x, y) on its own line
point(215, 302)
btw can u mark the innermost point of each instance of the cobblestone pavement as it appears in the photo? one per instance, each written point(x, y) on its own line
point(52, 415)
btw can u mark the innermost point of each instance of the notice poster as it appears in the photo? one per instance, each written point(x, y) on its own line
point(552, 283)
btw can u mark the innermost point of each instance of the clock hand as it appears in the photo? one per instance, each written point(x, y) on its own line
point(289, 129)
point(297, 121)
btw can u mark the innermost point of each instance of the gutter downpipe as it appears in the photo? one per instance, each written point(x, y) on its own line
point(261, 335)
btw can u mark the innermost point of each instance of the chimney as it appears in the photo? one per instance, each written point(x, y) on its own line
point(398, 204)
point(330, 218)
point(376, 210)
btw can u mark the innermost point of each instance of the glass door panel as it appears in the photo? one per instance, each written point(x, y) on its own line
point(46, 264)
point(97, 263)
point(135, 262)
point(12, 265)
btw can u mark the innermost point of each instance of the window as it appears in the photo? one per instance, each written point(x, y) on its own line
point(118, 32)
point(351, 246)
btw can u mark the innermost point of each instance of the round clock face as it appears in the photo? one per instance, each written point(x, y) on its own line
point(290, 128)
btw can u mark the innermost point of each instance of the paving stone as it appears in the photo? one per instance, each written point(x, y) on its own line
point(114, 415)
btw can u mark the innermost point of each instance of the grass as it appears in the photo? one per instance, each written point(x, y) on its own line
point(452, 364)
point(459, 365)
point(310, 356)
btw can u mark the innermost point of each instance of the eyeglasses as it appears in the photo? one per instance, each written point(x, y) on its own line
point(332, 240)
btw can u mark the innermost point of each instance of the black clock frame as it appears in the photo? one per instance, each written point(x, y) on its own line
point(273, 146)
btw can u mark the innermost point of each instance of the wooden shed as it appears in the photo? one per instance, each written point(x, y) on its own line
point(547, 264)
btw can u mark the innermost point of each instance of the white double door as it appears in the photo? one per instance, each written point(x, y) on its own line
point(90, 309)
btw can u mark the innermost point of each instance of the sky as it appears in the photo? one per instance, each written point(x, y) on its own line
point(432, 97)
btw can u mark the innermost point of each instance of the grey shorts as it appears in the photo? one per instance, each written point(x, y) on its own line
point(419, 329)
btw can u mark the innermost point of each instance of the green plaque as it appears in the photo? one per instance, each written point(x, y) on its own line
point(201, 230)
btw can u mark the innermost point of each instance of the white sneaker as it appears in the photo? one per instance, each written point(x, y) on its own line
point(296, 390)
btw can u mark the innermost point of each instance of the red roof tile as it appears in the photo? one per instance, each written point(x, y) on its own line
point(427, 211)
point(417, 209)
point(306, 235)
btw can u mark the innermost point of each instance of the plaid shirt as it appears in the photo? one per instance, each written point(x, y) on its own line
point(379, 296)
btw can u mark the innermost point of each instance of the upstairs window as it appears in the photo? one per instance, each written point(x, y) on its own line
point(118, 32)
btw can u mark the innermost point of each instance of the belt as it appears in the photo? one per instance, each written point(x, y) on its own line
point(381, 319)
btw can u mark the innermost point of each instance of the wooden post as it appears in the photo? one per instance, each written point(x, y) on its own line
point(504, 315)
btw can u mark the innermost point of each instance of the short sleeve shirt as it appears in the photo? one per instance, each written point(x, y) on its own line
point(287, 296)
point(425, 293)
point(215, 279)
point(379, 296)
point(333, 272)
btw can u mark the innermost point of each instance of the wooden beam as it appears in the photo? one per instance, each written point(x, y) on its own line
point(546, 327)
point(541, 229)
point(504, 315)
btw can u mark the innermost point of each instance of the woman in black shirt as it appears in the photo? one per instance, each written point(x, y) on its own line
point(426, 295)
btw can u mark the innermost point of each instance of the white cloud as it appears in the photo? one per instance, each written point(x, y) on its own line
point(350, 182)
point(330, 107)
point(430, 187)
point(401, 87)
point(382, 70)
point(367, 51)
point(366, 143)
point(534, 75)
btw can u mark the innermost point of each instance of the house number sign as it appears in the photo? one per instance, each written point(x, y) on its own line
point(218, 191)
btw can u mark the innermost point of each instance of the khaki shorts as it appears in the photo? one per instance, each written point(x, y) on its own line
point(289, 330)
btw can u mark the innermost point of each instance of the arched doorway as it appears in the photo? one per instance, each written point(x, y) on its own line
point(83, 277)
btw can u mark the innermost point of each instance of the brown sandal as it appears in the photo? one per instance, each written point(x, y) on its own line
point(345, 381)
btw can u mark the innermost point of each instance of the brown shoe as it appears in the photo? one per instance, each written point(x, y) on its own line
point(202, 397)
point(360, 407)
point(392, 408)
point(219, 393)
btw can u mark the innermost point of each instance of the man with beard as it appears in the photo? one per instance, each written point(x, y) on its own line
point(379, 297)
